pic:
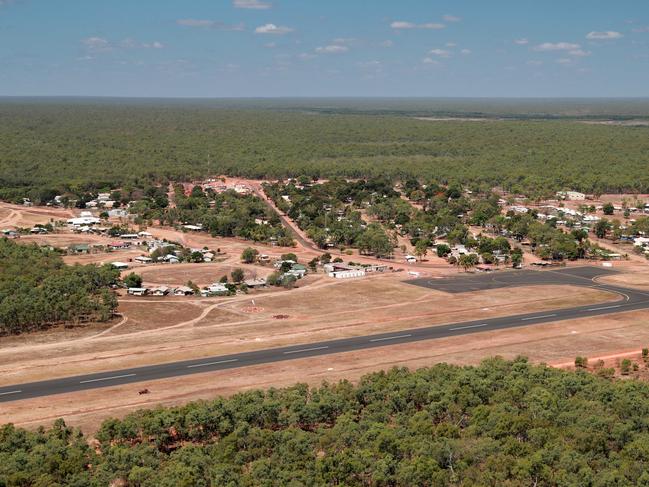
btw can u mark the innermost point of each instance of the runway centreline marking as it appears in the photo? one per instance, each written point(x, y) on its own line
point(538, 317)
point(305, 350)
point(213, 363)
point(390, 338)
point(106, 378)
point(9, 392)
point(604, 307)
point(468, 326)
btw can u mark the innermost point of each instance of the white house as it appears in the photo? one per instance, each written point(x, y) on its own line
point(571, 195)
point(142, 259)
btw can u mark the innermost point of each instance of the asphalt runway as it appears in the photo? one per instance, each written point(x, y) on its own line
point(630, 300)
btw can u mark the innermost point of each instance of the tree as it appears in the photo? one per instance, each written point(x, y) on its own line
point(468, 261)
point(421, 248)
point(313, 264)
point(237, 275)
point(601, 228)
point(443, 250)
point(289, 256)
point(608, 208)
point(249, 255)
point(133, 280)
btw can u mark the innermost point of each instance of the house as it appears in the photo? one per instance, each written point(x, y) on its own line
point(411, 259)
point(138, 291)
point(183, 291)
point(571, 195)
point(171, 259)
point(255, 283)
point(193, 228)
point(119, 265)
point(216, 288)
point(587, 219)
point(160, 291)
point(118, 245)
point(298, 270)
point(129, 236)
point(79, 249)
point(118, 213)
point(208, 257)
point(263, 258)
point(38, 230)
point(348, 273)
point(144, 235)
point(142, 259)
point(83, 221)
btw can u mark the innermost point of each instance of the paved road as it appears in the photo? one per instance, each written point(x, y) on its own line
point(584, 276)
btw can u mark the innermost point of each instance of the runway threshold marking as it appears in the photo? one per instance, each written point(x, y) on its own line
point(213, 363)
point(9, 392)
point(468, 326)
point(304, 350)
point(106, 378)
point(538, 317)
point(604, 307)
point(389, 338)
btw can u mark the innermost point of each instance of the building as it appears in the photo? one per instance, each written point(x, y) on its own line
point(216, 288)
point(183, 291)
point(571, 195)
point(160, 291)
point(79, 249)
point(411, 259)
point(143, 259)
point(138, 291)
point(119, 265)
point(255, 283)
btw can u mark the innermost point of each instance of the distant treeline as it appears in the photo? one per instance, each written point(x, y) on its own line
point(499, 424)
point(58, 146)
point(38, 290)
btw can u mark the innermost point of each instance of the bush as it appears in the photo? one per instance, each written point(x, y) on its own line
point(249, 255)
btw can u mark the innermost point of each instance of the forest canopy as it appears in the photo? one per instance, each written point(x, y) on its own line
point(66, 145)
point(37, 289)
point(502, 423)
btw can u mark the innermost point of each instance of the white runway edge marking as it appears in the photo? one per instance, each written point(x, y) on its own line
point(468, 326)
point(389, 338)
point(604, 307)
point(10, 392)
point(106, 378)
point(305, 350)
point(537, 317)
point(213, 363)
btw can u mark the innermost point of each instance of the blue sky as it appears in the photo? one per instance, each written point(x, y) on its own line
point(267, 48)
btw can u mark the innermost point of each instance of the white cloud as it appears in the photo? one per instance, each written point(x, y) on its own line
point(641, 29)
point(534, 62)
point(564, 61)
point(557, 46)
point(451, 44)
point(430, 60)
point(579, 53)
point(99, 44)
point(386, 43)
point(273, 29)
point(306, 56)
point(451, 18)
point(331, 49)
point(371, 65)
point(465, 51)
point(96, 44)
point(209, 24)
point(440, 52)
point(271, 45)
point(252, 4)
point(344, 41)
point(521, 42)
point(402, 24)
point(607, 35)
